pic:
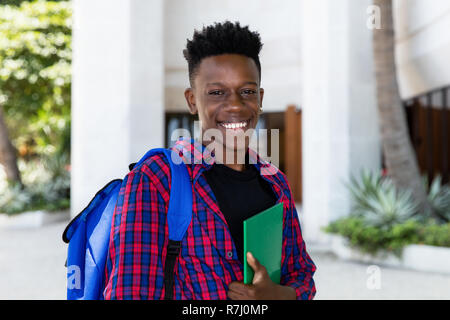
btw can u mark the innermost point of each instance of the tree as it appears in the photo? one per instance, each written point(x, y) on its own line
point(7, 153)
point(19, 2)
point(35, 75)
point(399, 155)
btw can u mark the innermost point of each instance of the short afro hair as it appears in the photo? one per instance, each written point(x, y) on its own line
point(222, 38)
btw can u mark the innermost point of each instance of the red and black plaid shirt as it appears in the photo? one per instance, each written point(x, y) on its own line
point(208, 260)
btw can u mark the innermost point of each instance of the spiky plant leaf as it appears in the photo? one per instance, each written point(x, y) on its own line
point(379, 202)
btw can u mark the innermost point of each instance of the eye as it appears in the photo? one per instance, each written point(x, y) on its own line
point(248, 91)
point(215, 92)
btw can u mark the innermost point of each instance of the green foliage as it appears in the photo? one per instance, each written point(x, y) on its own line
point(436, 234)
point(378, 202)
point(439, 199)
point(12, 2)
point(35, 93)
point(370, 239)
point(385, 218)
point(13, 199)
point(46, 187)
point(35, 75)
point(19, 2)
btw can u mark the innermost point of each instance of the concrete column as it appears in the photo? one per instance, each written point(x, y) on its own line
point(340, 129)
point(117, 90)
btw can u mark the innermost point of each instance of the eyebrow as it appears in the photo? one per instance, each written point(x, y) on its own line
point(221, 84)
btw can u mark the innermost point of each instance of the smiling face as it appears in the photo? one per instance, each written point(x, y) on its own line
point(226, 96)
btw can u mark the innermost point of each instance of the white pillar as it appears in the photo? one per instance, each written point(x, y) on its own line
point(117, 90)
point(340, 129)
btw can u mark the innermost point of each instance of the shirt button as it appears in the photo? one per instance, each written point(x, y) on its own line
point(230, 254)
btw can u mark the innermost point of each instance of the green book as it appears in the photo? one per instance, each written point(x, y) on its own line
point(263, 236)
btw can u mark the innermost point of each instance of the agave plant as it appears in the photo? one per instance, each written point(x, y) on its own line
point(46, 185)
point(362, 189)
point(376, 199)
point(439, 199)
point(14, 199)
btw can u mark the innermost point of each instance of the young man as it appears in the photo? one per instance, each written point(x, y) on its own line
point(225, 76)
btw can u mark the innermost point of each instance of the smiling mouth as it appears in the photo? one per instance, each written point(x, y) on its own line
point(234, 125)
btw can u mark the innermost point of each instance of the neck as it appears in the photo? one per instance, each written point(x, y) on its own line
point(234, 159)
point(237, 167)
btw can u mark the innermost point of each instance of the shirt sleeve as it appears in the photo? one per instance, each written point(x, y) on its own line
point(297, 266)
point(134, 268)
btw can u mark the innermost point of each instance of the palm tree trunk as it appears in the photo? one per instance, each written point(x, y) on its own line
point(7, 153)
point(399, 155)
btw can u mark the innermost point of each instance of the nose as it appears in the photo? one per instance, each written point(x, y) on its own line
point(235, 102)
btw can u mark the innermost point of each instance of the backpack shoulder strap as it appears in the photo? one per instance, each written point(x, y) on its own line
point(179, 214)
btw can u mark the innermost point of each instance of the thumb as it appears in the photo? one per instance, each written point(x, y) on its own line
point(253, 262)
point(258, 268)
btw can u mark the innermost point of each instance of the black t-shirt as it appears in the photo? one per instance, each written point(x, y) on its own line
point(240, 195)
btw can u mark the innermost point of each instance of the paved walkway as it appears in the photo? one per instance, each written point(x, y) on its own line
point(32, 267)
point(32, 263)
point(338, 279)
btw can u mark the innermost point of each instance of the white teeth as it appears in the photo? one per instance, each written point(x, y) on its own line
point(234, 125)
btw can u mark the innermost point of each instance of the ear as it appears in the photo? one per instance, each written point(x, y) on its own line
point(261, 96)
point(190, 99)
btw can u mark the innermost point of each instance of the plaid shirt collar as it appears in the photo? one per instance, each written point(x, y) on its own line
point(199, 158)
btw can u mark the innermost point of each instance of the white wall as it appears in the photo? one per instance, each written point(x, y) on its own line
point(117, 90)
point(422, 45)
point(340, 128)
point(279, 23)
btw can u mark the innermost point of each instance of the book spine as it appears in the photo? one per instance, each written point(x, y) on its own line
point(246, 273)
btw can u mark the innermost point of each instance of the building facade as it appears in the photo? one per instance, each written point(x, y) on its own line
point(129, 72)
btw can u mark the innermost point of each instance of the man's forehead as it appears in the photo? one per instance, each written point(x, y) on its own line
point(253, 83)
point(214, 69)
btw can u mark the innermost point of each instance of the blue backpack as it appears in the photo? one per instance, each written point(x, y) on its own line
point(88, 233)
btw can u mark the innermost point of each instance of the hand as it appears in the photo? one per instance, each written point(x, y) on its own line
point(262, 287)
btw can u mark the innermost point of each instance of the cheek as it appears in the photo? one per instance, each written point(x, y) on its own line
point(209, 109)
point(207, 117)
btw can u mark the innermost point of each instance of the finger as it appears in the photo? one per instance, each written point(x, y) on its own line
point(238, 287)
point(249, 294)
point(261, 274)
point(253, 262)
point(235, 296)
